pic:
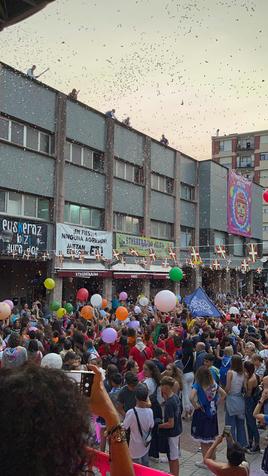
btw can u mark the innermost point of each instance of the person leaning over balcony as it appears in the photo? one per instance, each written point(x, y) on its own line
point(46, 419)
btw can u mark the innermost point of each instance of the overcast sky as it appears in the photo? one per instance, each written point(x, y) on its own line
point(146, 57)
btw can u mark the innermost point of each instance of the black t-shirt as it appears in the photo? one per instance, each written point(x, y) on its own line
point(159, 365)
point(172, 410)
point(127, 398)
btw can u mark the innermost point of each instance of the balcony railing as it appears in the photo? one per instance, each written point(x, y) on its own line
point(245, 146)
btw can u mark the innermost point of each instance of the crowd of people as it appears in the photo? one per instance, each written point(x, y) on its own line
point(170, 368)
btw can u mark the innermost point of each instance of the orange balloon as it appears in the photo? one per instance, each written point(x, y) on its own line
point(121, 313)
point(87, 312)
point(104, 303)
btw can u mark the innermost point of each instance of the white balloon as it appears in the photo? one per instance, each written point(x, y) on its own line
point(137, 310)
point(144, 301)
point(96, 300)
point(165, 301)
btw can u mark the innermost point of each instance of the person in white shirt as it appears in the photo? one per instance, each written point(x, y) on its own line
point(140, 421)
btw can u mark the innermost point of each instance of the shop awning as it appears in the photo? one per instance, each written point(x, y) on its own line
point(83, 270)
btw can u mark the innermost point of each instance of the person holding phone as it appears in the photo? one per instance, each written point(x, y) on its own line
point(235, 465)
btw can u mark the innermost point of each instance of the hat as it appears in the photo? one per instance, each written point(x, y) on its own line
point(52, 361)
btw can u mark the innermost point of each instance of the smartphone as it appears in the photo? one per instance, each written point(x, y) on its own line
point(83, 379)
point(227, 430)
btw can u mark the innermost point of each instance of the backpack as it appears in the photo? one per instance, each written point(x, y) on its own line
point(225, 366)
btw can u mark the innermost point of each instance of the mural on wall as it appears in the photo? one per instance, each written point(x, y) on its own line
point(239, 204)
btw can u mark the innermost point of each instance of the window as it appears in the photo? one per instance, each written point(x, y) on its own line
point(81, 155)
point(2, 201)
point(265, 210)
point(187, 192)
point(32, 138)
point(127, 171)
point(4, 128)
point(162, 183)
point(29, 206)
point(43, 209)
point(264, 140)
point(187, 237)
point(44, 143)
point(265, 228)
point(127, 224)
point(14, 203)
point(238, 246)
point(246, 162)
point(264, 156)
point(161, 230)
point(226, 145)
point(219, 238)
point(84, 216)
point(17, 133)
point(246, 144)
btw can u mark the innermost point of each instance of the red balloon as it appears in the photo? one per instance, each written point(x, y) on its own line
point(265, 196)
point(82, 294)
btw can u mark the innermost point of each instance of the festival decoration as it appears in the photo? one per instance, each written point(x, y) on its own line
point(49, 283)
point(81, 257)
point(123, 296)
point(165, 264)
point(172, 254)
point(252, 252)
point(133, 324)
point(96, 300)
point(195, 256)
point(87, 312)
point(133, 252)
point(143, 301)
point(152, 254)
point(82, 295)
point(239, 204)
point(176, 274)
point(69, 307)
point(115, 303)
point(98, 255)
point(220, 251)
point(265, 196)
point(116, 255)
point(5, 311)
point(121, 313)
point(109, 335)
point(55, 305)
point(103, 313)
point(216, 265)
point(10, 303)
point(259, 270)
point(104, 303)
point(200, 305)
point(244, 266)
point(165, 300)
point(61, 312)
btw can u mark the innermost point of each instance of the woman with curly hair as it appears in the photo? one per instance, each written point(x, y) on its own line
point(47, 420)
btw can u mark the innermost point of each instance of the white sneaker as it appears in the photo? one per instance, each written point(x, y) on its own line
point(200, 464)
point(163, 459)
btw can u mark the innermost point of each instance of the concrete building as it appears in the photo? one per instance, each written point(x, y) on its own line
point(247, 153)
point(88, 200)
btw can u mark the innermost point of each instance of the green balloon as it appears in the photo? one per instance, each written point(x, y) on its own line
point(176, 274)
point(55, 305)
point(69, 307)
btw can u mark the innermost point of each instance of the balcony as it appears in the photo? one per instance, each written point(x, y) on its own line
point(245, 145)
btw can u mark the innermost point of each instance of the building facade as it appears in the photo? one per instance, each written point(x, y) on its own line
point(247, 153)
point(89, 201)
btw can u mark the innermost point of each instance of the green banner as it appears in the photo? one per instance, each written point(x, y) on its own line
point(142, 245)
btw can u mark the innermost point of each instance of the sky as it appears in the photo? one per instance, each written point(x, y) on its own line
point(180, 67)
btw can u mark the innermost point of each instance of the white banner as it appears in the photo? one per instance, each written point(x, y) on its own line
point(74, 240)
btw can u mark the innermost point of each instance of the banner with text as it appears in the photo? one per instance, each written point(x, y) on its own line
point(75, 240)
point(239, 205)
point(142, 245)
point(22, 236)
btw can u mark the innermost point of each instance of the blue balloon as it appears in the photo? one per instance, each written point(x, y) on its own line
point(115, 303)
point(103, 313)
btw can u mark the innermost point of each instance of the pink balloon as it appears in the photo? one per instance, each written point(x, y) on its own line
point(123, 296)
point(109, 335)
point(10, 303)
point(5, 311)
point(165, 301)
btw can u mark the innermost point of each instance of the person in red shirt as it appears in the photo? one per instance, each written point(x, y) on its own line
point(140, 352)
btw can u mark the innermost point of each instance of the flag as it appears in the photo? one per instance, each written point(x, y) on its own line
point(200, 305)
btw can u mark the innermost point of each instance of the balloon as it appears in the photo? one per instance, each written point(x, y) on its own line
point(96, 300)
point(87, 312)
point(10, 303)
point(265, 196)
point(144, 301)
point(61, 312)
point(115, 303)
point(123, 296)
point(69, 307)
point(176, 274)
point(121, 313)
point(49, 283)
point(165, 300)
point(103, 313)
point(82, 294)
point(133, 324)
point(137, 310)
point(109, 335)
point(104, 303)
point(5, 311)
point(55, 305)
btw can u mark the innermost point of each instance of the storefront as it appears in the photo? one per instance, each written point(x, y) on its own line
point(24, 260)
point(75, 277)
